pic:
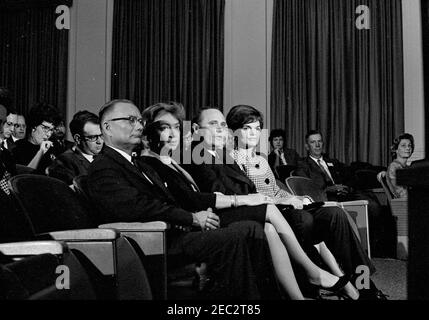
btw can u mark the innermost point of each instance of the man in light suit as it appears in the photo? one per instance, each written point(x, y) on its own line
point(126, 191)
point(85, 128)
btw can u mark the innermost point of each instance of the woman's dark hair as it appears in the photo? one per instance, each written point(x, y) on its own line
point(240, 115)
point(277, 133)
point(397, 141)
point(42, 112)
point(151, 127)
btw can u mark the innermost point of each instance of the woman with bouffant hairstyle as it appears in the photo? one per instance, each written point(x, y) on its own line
point(401, 150)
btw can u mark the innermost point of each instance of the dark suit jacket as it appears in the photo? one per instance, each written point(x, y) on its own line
point(69, 165)
point(7, 162)
point(225, 178)
point(291, 157)
point(60, 147)
point(10, 144)
point(309, 168)
point(123, 193)
point(180, 187)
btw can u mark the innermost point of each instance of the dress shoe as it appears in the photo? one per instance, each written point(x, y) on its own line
point(373, 293)
point(370, 294)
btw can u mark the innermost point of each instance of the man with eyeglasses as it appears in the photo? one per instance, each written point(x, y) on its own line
point(85, 129)
point(7, 164)
point(128, 191)
point(8, 130)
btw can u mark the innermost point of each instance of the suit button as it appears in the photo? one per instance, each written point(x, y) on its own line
point(267, 181)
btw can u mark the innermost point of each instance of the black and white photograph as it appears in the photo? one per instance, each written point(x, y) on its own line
point(214, 158)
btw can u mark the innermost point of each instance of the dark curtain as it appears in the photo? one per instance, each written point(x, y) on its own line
point(169, 50)
point(329, 75)
point(33, 53)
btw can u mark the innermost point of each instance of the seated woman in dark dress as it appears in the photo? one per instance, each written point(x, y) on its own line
point(162, 129)
point(402, 149)
point(35, 151)
point(282, 160)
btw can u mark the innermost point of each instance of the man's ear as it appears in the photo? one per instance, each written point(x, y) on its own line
point(105, 126)
point(195, 128)
point(76, 138)
point(307, 147)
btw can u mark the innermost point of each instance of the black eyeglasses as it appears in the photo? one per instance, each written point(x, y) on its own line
point(93, 138)
point(131, 119)
point(10, 124)
point(46, 129)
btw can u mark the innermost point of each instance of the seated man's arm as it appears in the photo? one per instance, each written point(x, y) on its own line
point(119, 201)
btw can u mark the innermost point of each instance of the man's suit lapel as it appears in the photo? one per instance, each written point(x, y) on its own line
point(82, 160)
point(122, 161)
point(155, 181)
point(314, 166)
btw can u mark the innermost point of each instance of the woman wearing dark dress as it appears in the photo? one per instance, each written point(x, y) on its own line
point(402, 149)
point(35, 151)
point(162, 129)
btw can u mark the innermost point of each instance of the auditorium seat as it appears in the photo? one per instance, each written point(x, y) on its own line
point(54, 212)
point(399, 209)
point(42, 270)
point(150, 240)
point(357, 211)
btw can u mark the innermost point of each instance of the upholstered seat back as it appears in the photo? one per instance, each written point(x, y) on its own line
point(49, 203)
point(302, 186)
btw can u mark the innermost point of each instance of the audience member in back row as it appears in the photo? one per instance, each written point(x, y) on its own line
point(7, 170)
point(163, 123)
point(402, 149)
point(8, 127)
point(128, 192)
point(58, 138)
point(281, 156)
point(34, 151)
point(330, 175)
point(7, 164)
point(20, 128)
point(85, 128)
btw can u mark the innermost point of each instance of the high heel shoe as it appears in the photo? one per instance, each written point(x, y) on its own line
point(337, 289)
point(340, 284)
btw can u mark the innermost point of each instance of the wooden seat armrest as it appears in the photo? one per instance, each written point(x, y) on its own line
point(137, 226)
point(85, 235)
point(33, 248)
point(355, 203)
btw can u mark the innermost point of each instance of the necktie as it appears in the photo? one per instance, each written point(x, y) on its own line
point(134, 161)
point(329, 181)
point(282, 158)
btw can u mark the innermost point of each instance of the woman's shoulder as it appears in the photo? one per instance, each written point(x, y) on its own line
point(394, 165)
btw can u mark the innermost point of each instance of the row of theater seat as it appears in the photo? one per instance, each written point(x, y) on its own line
point(114, 256)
